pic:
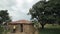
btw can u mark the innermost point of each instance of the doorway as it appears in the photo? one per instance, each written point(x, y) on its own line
point(21, 27)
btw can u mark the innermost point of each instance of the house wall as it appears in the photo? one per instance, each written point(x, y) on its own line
point(17, 27)
point(27, 28)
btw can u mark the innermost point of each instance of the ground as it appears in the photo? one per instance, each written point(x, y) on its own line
point(50, 29)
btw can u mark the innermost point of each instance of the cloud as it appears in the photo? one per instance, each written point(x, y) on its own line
point(18, 9)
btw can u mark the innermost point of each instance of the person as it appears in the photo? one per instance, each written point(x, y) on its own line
point(14, 29)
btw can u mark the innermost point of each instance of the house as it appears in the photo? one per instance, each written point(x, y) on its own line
point(22, 26)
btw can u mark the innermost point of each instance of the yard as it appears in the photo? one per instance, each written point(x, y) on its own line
point(50, 29)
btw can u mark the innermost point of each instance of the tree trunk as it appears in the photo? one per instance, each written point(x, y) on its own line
point(42, 26)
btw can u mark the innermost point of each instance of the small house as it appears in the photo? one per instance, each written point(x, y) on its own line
point(22, 27)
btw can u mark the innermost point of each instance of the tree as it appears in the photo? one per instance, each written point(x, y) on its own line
point(4, 16)
point(46, 11)
point(38, 12)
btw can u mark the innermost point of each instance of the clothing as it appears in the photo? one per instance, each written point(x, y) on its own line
point(14, 27)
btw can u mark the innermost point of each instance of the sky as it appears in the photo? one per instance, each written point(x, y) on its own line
point(17, 9)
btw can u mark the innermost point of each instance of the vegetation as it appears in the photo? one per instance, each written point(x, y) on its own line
point(49, 29)
point(36, 24)
point(4, 18)
point(1, 29)
point(46, 12)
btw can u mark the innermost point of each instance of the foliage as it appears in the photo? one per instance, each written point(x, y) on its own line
point(36, 24)
point(46, 11)
point(4, 16)
point(1, 29)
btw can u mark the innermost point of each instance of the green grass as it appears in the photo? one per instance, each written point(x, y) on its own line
point(49, 29)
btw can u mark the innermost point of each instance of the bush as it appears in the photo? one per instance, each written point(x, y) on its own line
point(1, 29)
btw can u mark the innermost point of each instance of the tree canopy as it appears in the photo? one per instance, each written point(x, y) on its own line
point(46, 11)
point(4, 16)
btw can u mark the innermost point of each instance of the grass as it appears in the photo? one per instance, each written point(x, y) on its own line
point(50, 29)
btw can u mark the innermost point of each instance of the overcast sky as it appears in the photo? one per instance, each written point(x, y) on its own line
point(17, 9)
